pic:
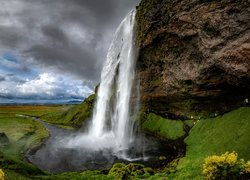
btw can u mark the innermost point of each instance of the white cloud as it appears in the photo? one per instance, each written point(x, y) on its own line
point(44, 84)
point(47, 86)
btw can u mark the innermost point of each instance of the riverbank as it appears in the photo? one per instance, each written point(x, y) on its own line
point(203, 140)
point(20, 134)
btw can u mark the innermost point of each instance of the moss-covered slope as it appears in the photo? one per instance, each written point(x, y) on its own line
point(163, 128)
point(214, 136)
point(229, 132)
point(74, 116)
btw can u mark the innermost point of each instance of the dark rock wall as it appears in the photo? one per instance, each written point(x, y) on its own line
point(194, 56)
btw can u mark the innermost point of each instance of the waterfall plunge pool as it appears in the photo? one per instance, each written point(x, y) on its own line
point(111, 135)
point(54, 156)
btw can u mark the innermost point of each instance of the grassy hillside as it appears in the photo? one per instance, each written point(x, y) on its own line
point(229, 132)
point(163, 128)
point(207, 137)
point(72, 116)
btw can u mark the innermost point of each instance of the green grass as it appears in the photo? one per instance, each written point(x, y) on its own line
point(164, 128)
point(85, 175)
point(214, 136)
point(23, 134)
point(36, 111)
point(72, 116)
point(229, 132)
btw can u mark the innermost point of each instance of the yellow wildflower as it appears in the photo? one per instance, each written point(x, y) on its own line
point(247, 167)
point(231, 158)
point(213, 163)
point(1, 174)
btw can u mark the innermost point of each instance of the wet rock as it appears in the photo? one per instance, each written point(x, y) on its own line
point(4, 140)
point(194, 56)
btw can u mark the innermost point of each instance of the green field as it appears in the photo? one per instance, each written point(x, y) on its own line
point(207, 137)
point(23, 134)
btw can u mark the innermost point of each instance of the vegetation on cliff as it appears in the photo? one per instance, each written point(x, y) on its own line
point(226, 166)
point(229, 132)
point(72, 116)
point(163, 128)
point(194, 64)
point(207, 137)
point(193, 68)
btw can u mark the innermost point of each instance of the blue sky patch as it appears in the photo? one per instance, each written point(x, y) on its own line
point(20, 80)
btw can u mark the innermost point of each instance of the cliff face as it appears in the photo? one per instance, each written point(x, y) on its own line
point(194, 56)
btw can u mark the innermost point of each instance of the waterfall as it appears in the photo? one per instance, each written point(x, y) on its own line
point(118, 75)
point(112, 126)
point(110, 134)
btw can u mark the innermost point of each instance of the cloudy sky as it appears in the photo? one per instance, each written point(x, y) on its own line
point(55, 49)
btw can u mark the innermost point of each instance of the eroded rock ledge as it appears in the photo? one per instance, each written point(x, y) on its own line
point(194, 56)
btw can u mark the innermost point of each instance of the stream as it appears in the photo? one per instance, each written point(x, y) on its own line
point(54, 157)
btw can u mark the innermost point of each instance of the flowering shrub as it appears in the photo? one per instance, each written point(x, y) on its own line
point(1, 175)
point(225, 166)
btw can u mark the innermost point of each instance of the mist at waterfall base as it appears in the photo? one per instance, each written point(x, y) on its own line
point(111, 135)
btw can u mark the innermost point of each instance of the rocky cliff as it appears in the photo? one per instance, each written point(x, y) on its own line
point(194, 56)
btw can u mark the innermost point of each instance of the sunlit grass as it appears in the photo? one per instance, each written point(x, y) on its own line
point(31, 110)
point(73, 116)
point(215, 136)
point(23, 134)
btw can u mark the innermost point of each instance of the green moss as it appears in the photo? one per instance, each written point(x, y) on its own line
point(119, 171)
point(144, 8)
point(165, 128)
point(14, 175)
point(130, 171)
point(229, 132)
point(189, 123)
point(77, 176)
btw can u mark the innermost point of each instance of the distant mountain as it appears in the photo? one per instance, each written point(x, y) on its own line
point(6, 101)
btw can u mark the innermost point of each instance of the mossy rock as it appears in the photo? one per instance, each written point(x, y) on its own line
point(215, 136)
point(4, 140)
point(119, 171)
point(130, 171)
point(161, 127)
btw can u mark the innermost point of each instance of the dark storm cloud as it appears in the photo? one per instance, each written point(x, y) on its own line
point(55, 34)
point(2, 78)
point(9, 36)
point(70, 35)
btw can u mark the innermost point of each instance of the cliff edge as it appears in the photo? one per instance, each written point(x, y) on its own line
point(194, 56)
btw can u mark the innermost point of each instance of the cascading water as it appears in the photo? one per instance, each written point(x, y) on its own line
point(118, 74)
point(110, 134)
point(111, 127)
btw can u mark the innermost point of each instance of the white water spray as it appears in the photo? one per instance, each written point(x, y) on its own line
point(120, 63)
point(112, 127)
